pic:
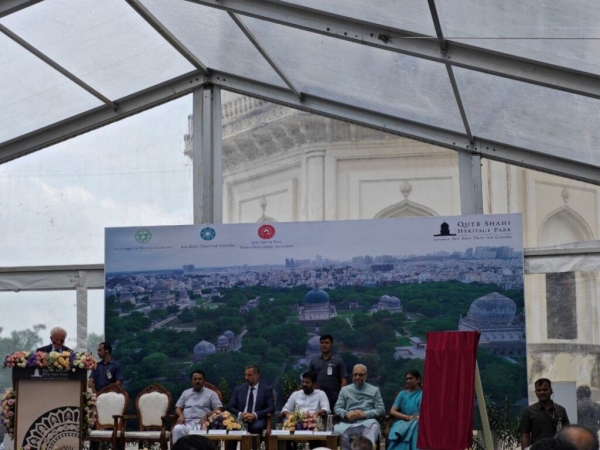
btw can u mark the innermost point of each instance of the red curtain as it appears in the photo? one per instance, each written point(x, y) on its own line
point(446, 417)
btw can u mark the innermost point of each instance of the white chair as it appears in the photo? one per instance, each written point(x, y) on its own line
point(111, 403)
point(152, 406)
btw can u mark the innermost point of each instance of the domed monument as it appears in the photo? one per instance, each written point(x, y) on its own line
point(389, 303)
point(203, 350)
point(315, 310)
point(226, 342)
point(502, 329)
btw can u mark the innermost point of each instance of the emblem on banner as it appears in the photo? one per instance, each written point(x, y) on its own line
point(208, 233)
point(143, 236)
point(444, 230)
point(266, 232)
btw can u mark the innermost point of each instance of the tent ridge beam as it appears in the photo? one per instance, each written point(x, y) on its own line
point(444, 49)
point(248, 33)
point(419, 46)
point(153, 21)
point(101, 116)
point(413, 130)
point(12, 6)
point(438, 26)
point(78, 81)
point(185, 84)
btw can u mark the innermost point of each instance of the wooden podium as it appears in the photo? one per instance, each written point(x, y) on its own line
point(49, 408)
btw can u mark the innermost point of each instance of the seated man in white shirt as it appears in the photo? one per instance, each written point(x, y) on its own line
point(308, 399)
point(194, 404)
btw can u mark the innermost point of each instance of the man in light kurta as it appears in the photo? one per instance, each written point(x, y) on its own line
point(308, 399)
point(193, 404)
point(358, 407)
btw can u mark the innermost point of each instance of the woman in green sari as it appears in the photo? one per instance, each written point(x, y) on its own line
point(403, 433)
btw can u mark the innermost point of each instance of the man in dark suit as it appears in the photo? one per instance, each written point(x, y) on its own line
point(251, 402)
point(57, 337)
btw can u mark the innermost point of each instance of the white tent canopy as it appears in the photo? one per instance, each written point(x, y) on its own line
point(511, 81)
point(505, 80)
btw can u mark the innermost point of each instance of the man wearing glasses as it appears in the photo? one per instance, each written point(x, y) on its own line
point(58, 336)
point(358, 407)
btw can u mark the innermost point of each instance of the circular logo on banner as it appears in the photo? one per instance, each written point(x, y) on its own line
point(208, 233)
point(266, 232)
point(143, 236)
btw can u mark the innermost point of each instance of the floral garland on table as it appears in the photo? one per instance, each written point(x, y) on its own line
point(52, 361)
point(9, 400)
point(89, 407)
point(221, 421)
point(303, 420)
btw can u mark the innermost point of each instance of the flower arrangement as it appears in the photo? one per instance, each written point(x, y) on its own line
point(221, 421)
point(84, 360)
point(60, 361)
point(89, 406)
point(17, 359)
point(303, 420)
point(9, 400)
point(53, 360)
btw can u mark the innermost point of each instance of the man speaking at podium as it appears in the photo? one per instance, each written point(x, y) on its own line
point(58, 336)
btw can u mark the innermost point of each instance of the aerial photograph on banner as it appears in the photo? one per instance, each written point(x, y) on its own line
point(220, 297)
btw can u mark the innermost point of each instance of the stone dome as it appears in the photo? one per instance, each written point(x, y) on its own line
point(494, 309)
point(316, 296)
point(390, 300)
point(204, 349)
point(314, 344)
point(230, 335)
point(222, 340)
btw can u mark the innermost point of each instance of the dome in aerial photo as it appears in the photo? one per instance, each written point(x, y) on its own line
point(230, 335)
point(204, 349)
point(390, 301)
point(493, 308)
point(316, 296)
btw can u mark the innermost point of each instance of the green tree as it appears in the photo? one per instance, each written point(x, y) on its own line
point(93, 341)
point(26, 340)
point(186, 316)
point(151, 364)
point(255, 346)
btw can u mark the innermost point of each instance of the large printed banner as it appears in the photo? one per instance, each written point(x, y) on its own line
point(219, 297)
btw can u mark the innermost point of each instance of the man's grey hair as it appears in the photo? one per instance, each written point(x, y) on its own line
point(56, 330)
point(567, 434)
point(361, 366)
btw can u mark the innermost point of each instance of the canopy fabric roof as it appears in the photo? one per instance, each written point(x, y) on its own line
point(512, 81)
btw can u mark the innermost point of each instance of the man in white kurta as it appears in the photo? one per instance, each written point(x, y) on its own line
point(308, 399)
point(194, 404)
point(358, 407)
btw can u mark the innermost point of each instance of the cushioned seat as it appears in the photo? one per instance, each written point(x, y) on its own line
point(152, 406)
point(111, 403)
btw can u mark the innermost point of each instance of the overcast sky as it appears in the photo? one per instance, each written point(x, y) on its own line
point(58, 201)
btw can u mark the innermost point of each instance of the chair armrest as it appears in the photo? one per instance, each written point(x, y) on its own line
point(388, 424)
point(268, 430)
point(166, 418)
point(121, 420)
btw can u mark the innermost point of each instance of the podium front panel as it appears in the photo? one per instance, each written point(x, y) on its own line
point(48, 413)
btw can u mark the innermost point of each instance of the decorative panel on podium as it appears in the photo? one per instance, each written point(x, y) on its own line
point(49, 408)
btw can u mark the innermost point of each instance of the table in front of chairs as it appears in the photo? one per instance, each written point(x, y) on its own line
point(248, 441)
point(277, 441)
